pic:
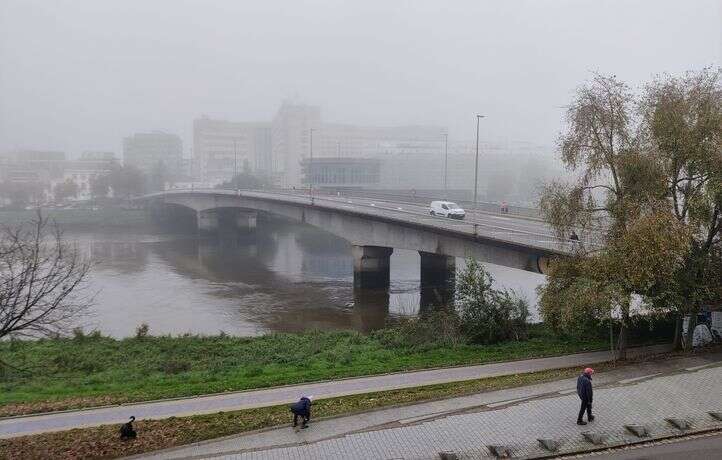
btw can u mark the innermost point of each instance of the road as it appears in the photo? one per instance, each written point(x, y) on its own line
point(516, 229)
point(698, 447)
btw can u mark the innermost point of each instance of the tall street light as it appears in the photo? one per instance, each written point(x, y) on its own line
point(310, 169)
point(446, 164)
point(476, 170)
point(235, 165)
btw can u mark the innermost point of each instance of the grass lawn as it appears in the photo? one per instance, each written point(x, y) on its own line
point(103, 442)
point(88, 371)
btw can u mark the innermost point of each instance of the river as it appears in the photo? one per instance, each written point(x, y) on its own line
point(288, 277)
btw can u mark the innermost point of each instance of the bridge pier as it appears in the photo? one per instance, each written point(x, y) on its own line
point(246, 221)
point(207, 221)
point(438, 275)
point(372, 307)
point(371, 266)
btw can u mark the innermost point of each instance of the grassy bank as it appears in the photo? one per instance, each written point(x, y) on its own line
point(93, 370)
point(81, 218)
point(103, 442)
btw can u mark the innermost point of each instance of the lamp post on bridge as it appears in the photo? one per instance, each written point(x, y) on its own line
point(310, 170)
point(446, 165)
point(476, 174)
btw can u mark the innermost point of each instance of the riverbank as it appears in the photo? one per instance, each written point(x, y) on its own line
point(86, 371)
point(82, 218)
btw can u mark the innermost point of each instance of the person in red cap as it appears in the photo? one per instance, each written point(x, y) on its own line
point(584, 390)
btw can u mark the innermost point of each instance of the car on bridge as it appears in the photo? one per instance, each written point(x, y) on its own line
point(446, 209)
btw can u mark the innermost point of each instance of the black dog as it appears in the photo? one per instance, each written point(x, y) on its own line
point(127, 431)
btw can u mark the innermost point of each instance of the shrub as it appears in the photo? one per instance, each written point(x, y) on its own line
point(438, 328)
point(175, 366)
point(78, 334)
point(141, 331)
point(488, 315)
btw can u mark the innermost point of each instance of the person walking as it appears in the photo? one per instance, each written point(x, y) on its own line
point(302, 409)
point(584, 390)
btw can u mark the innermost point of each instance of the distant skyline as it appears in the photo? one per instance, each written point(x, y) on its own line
point(80, 75)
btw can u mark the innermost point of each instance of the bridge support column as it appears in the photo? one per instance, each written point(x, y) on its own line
point(371, 266)
point(207, 221)
point(246, 220)
point(371, 307)
point(438, 275)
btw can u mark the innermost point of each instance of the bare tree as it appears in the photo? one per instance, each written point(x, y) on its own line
point(41, 280)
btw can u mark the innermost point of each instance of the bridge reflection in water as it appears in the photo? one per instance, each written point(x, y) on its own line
point(285, 276)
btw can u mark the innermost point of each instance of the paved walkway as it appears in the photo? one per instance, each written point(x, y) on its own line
point(18, 426)
point(646, 394)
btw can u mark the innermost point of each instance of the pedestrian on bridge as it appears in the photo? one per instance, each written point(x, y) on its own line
point(584, 390)
point(302, 409)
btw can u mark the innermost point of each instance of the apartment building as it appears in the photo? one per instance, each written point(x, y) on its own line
point(222, 148)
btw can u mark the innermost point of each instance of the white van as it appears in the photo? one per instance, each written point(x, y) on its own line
point(446, 209)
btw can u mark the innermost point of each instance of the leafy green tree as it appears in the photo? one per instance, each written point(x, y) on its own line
point(683, 122)
point(246, 181)
point(127, 181)
point(616, 183)
point(488, 315)
point(65, 190)
point(21, 194)
point(100, 186)
point(649, 188)
point(158, 177)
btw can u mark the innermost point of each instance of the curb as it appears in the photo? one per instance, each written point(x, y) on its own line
point(616, 447)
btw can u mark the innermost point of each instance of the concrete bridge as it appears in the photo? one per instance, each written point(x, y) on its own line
point(375, 228)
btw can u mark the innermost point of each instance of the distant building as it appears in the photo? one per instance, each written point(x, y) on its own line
point(342, 172)
point(146, 151)
point(280, 147)
point(222, 148)
point(31, 166)
point(85, 170)
point(291, 141)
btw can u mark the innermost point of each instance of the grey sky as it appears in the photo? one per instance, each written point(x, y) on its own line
point(81, 74)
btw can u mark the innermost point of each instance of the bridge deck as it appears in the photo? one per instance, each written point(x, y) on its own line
point(519, 231)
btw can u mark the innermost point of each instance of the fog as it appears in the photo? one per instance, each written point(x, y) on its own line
point(81, 74)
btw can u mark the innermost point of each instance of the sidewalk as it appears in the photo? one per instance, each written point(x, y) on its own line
point(18, 426)
point(685, 388)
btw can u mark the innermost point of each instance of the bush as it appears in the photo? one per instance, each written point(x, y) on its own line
point(141, 331)
point(175, 366)
point(489, 315)
point(438, 328)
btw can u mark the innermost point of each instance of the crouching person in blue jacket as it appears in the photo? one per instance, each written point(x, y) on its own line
point(302, 409)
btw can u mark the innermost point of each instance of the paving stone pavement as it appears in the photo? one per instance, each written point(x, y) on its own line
point(18, 426)
point(646, 394)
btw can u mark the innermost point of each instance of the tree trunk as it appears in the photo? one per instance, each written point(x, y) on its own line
point(623, 332)
point(677, 341)
point(690, 332)
point(622, 344)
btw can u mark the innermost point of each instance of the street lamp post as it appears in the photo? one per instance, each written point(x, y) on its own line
point(476, 172)
point(446, 165)
point(310, 169)
point(235, 165)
